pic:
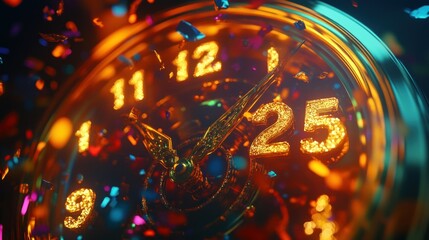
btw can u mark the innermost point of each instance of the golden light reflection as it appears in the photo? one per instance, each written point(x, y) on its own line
point(118, 94)
point(181, 63)
point(137, 81)
point(60, 132)
point(30, 227)
point(206, 53)
point(83, 135)
point(82, 201)
point(317, 116)
point(321, 216)
point(318, 168)
point(272, 58)
point(1, 88)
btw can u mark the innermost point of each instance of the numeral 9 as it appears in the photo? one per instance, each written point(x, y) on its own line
point(80, 200)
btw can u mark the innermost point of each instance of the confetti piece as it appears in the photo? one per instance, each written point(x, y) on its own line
point(302, 76)
point(105, 201)
point(1, 60)
point(61, 51)
point(323, 75)
point(1, 88)
point(272, 174)
point(132, 18)
point(138, 220)
point(300, 25)
point(53, 37)
point(265, 30)
point(114, 191)
point(97, 22)
point(254, 4)
point(127, 61)
point(119, 10)
point(60, 9)
point(355, 4)
point(419, 13)
point(4, 50)
point(221, 4)
point(159, 60)
point(23, 188)
point(189, 32)
point(47, 185)
point(13, 3)
point(48, 13)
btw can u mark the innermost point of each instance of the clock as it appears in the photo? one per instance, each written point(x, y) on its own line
point(289, 120)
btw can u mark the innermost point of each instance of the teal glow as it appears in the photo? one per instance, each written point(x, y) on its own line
point(359, 31)
point(117, 215)
point(239, 162)
point(119, 10)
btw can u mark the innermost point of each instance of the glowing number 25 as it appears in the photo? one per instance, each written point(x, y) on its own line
point(80, 200)
point(317, 116)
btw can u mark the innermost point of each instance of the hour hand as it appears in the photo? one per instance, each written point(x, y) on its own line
point(158, 144)
point(225, 124)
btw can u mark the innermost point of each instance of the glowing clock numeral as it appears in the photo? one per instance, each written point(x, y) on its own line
point(181, 63)
point(118, 89)
point(137, 81)
point(317, 116)
point(262, 145)
point(83, 135)
point(272, 58)
point(118, 93)
point(82, 201)
point(206, 53)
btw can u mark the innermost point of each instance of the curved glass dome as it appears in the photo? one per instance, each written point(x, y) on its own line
point(339, 152)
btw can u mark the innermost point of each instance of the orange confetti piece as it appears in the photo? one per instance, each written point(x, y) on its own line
point(97, 22)
point(13, 3)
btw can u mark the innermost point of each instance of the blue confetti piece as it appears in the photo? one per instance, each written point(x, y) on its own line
point(272, 174)
point(300, 25)
point(419, 13)
point(189, 32)
point(43, 42)
point(142, 172)
point(4, 50)
point(114, 191)
point(221, 4)
point(105, 201)
point(119, 10)
point(137, 57)
point(127, 61)
point(132, 157)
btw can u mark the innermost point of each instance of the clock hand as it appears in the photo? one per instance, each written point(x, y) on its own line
point(222, 127)
point(158, 144)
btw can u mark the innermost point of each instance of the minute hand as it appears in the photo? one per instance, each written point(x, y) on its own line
point(225, 124)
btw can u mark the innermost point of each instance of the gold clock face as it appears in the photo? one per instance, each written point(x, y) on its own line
point(278, 123)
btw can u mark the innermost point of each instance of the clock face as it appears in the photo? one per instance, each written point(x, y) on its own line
point(273, 122)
